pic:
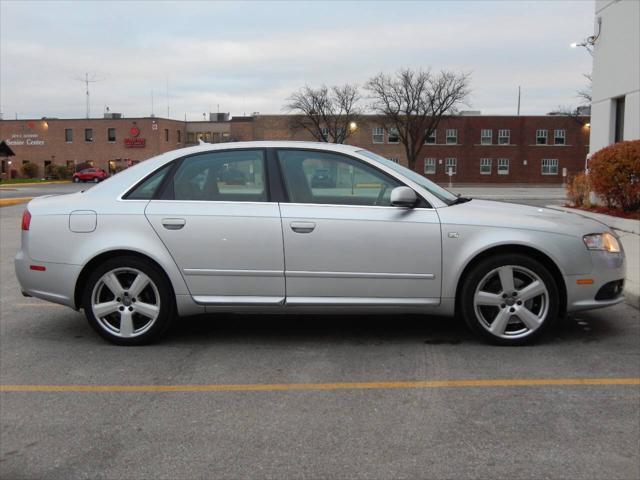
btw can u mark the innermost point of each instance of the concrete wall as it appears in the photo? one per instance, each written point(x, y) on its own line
point(616, 71)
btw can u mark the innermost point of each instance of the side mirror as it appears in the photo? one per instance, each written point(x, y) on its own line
point(403, 197)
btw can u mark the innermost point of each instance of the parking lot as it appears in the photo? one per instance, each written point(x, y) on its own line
point(312, 396)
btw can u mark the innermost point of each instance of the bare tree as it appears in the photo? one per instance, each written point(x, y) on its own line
point(414, 102)
point(585, 93)
point(327, 113)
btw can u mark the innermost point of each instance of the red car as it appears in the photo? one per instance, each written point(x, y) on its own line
point(90, 175)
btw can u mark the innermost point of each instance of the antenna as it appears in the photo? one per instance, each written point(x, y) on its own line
point(518, 99)
point(87, 80)
point(167, 97)
point(152, 103)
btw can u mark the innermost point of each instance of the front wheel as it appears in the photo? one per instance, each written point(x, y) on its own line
point(128, 301)
point(76, 180)
point(96, 180)
point(509, 299)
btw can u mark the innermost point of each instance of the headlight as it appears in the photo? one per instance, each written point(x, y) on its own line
point(602, 241)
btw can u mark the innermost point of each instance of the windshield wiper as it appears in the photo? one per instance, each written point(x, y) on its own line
point(461, 200)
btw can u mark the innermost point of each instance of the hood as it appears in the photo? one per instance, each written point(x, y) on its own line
point(511, 215)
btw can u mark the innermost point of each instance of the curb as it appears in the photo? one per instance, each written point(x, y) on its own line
point(7, 202)
point(14, 185)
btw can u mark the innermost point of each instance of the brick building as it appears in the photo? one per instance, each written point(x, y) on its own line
point(475, 148)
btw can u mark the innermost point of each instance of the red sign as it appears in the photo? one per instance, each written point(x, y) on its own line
point(134, 142)
point(134, 131)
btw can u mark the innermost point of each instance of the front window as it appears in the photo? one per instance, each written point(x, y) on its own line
point(559, 137)
point(333, 179)
point(68, 135)
point(178, 136)
point(431, 138)
point(166, 134)
point(486, 136)
point(485, 166)
point(452, 136)
point(88, 134)
point(429, 166)
point(436, 190)
point(503, 166)
point(393, 135)
point(377, 135)
point(549, 166)
point(541, 137)
point(111, 134)
point(504, 137)
point(233, 176)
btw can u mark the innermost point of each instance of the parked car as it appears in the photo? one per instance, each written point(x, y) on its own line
point(90, 175)
point(322, 178)
point(152, 244)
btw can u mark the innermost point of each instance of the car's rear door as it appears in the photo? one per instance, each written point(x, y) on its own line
point(345, 245)
point(225, 238)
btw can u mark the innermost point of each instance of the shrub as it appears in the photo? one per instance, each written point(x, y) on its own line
point(58, 172)
point(578, 190)
point(30, 170)
point(615, 175)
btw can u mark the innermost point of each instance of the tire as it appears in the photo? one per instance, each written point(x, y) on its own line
point(76, 180)
point(112, 296)
point(517, 316)
point(96, 179)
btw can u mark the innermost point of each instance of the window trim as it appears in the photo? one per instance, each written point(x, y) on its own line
point(65, 135)
point(546, 136)
point(446, 136)
point(483, 136)
point(435, 166)
point(488, 162)
point(373, 135)
point(389, 135)
point(507, 136)
point(115, 137)
point(446, 167)
point(435, 138)
point(557, 165)
point(498, 166)
point(563, 136)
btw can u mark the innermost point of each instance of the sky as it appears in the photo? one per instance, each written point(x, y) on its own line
point(194, 57)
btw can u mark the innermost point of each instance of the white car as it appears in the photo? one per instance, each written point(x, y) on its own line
point(177, 235)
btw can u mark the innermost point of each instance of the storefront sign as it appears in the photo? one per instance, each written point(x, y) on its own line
point(22, 139)
point(134, 141)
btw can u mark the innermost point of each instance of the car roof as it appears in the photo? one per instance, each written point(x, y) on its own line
point(207, 147)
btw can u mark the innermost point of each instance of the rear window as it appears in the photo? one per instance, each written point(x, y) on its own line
point(147, 189)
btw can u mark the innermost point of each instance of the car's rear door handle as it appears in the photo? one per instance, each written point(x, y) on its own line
point(302, 227)
point(173, 223)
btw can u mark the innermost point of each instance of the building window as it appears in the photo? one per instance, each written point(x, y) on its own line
point(559, 137)
point(431, 138)
point(503, 166)
point(619, 126)
point(429, 166)
point(324, 131)
point(191, 137)
point(504, 137)
point(541, 137)
point(166, 134)
point(111, 135)
point(88, 134)
point(377, 135)
point(451, 165)
point(178, 136)
point(485, 166)
point(486, 136)
point(452, 136)
point(68, 135)
point(549, 166)
point(394, 159)
point(393, 135)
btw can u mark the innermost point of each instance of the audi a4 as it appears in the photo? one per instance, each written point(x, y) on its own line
point(179, 235)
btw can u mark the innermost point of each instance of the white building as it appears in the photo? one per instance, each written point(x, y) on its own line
point(615, 110)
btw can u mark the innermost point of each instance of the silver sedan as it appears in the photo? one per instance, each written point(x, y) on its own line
point(304, 227)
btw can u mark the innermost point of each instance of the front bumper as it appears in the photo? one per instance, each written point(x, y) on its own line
point(607, 268)
point(55, 284)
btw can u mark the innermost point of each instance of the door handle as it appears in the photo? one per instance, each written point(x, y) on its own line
point(173, 223)
point(302, 227)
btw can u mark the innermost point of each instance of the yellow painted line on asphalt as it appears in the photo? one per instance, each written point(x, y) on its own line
point(5, 202)
point(281, 387)
point(28, 184)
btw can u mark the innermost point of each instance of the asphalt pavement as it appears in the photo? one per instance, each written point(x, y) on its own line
point(333, 406)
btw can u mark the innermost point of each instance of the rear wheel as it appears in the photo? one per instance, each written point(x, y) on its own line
point(128, 301)
point(96, 179)
point(76, 180)
point(509, 299)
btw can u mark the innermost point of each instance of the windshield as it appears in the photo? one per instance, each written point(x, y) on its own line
point(445, 195)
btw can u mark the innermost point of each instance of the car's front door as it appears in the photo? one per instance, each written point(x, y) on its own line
point(346, 245)
point(216, 219)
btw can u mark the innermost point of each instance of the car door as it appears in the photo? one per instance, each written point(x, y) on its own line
point(345, 244)
point(226, 238)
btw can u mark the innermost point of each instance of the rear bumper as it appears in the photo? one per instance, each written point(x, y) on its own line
point(607, 268)
point(55, 284)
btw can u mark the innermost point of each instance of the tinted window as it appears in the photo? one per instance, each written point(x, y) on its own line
point(148, 187)
point(234, 176)
point(328, 178)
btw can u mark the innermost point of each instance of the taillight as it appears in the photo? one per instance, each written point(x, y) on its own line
point(26, 219)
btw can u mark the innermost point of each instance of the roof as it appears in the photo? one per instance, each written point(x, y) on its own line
point(5, 150)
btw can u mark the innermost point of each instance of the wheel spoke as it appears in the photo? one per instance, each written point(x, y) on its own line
point(506, 279)
point(126, 323)
point(113, 284)
point(138, 285)
point(486, 298)
point(105, 308)
point(529, 318)
point(532, 290)
point(147, 309)
point(499, 324)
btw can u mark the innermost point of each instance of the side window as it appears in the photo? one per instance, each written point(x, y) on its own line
point(148, 187)
point(231, 176)
point(328, 178)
